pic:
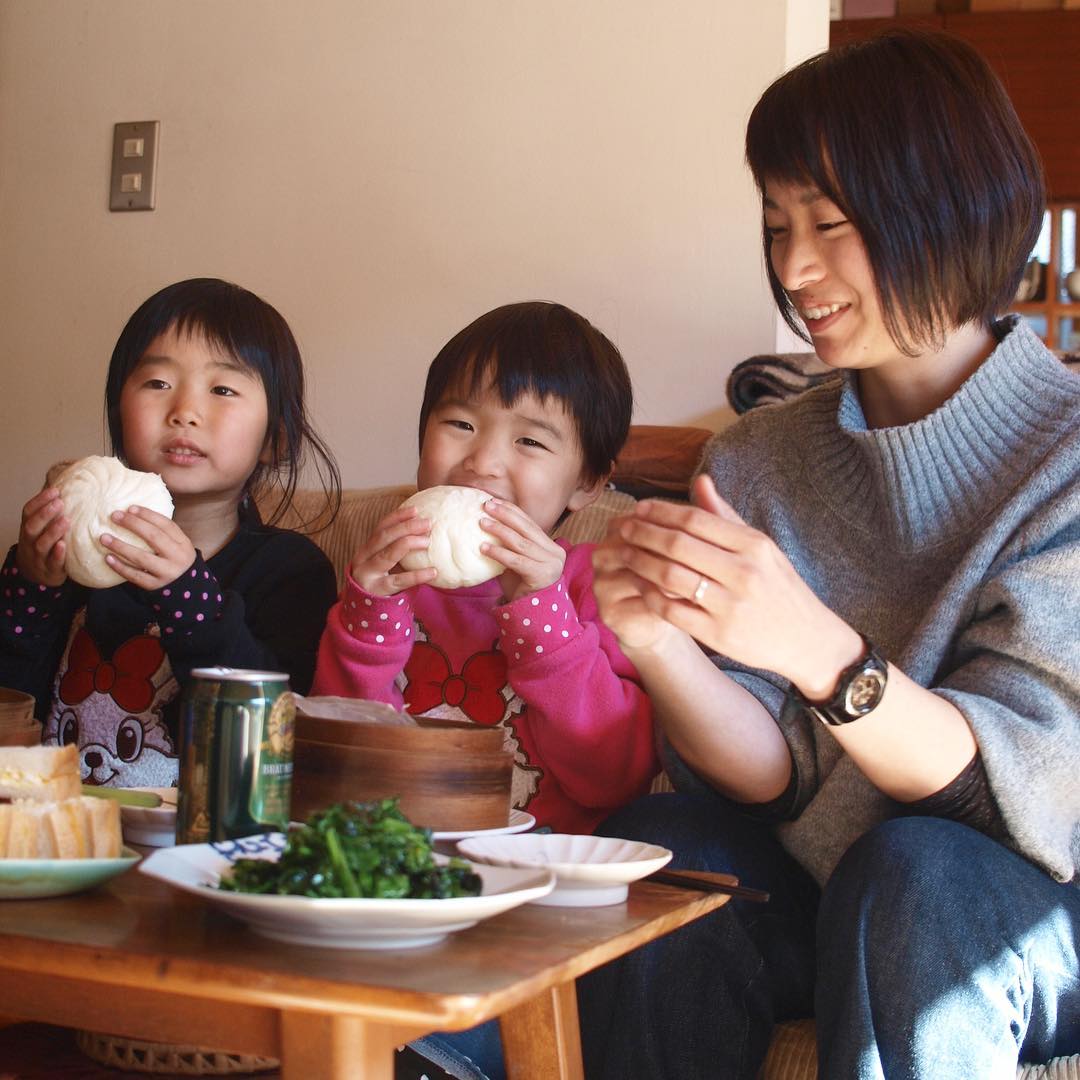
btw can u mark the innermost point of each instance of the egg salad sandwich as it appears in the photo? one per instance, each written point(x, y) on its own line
point(43, 813)
point(39, 773)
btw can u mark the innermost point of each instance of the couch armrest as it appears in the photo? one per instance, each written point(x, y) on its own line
point(658, 460)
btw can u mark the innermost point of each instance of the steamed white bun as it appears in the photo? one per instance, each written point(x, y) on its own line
point(456, 536)
point(92, 489)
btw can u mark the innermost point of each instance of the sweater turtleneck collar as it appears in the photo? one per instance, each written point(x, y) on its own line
point(936, 476)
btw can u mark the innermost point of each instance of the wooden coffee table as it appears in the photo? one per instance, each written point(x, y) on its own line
point(137, 958)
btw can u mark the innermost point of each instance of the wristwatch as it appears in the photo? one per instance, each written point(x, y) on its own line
point(858, 691)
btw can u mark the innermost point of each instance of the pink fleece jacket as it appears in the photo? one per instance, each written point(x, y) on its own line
point(544, 667)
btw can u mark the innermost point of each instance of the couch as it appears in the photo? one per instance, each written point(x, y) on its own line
point(658, 460)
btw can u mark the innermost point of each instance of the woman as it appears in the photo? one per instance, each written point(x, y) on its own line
point(886, 572)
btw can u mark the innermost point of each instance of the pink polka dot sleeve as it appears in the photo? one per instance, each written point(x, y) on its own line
point(379, 620)
point(537, 624)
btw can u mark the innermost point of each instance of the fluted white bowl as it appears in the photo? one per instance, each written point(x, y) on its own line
point(590, 871)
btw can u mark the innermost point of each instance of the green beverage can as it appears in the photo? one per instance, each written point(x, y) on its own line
point(236, 754)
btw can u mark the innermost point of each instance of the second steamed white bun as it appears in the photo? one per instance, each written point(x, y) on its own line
point(456, 536)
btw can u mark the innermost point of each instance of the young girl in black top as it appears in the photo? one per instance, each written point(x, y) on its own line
point(206, 388)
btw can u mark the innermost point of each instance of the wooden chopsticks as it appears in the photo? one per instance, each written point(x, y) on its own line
point(703, 881)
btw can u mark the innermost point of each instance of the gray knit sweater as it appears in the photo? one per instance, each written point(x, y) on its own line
point(953, 543)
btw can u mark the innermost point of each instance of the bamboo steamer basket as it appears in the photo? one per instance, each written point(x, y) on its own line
point(18, 727)
point(447, 776)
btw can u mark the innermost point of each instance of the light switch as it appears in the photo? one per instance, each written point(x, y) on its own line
point(133, 186)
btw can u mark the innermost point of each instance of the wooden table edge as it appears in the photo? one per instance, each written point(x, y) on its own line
point(354, 1023)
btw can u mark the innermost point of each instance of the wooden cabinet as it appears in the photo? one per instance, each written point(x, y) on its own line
point(1035, 54)
point(1052, 311)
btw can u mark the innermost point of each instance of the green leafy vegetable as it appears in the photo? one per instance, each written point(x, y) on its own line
point(356, 850)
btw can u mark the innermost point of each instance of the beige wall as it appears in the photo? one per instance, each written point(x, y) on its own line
point(383, 171)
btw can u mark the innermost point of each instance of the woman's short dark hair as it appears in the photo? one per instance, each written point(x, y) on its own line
point(253, 332)
point(552, 352)
point(914, 138)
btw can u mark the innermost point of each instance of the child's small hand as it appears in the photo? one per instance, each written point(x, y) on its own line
point(375, 565)
point(532, 559)
point(42, 547)
point(170, 554)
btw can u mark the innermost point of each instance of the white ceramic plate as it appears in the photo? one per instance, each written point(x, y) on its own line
point(519, 821)
point(339, 924)
point(27, 879)
point(151, 826)
point(592, 871)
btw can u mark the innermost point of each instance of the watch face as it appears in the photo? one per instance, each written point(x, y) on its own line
point(864, 691)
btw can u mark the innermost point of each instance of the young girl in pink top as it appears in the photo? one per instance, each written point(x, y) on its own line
point(531, 404)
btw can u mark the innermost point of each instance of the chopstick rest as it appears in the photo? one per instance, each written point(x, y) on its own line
point(703, 881)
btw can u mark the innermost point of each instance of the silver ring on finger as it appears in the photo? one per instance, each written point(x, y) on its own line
point(701, 590)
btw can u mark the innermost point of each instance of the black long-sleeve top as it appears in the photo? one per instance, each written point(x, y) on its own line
point(106, 665)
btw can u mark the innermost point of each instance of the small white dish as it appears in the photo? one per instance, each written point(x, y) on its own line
point(151, 826)
point(520, 821)
point(29, 879)
point(592, 871)
point(339, 923)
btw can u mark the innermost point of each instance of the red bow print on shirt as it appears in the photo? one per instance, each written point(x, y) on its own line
point(477, 691)
point(126, 678)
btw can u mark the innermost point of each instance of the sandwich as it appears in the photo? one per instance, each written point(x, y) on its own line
point(43, 813)
point(39, 773)
point(78, 828)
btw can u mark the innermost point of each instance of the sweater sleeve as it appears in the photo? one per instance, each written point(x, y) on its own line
point(590, 717)
point(356, 658)
point(1016, 679)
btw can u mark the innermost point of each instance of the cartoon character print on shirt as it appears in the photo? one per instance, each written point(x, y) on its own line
point(479, 693)
point(110, 707)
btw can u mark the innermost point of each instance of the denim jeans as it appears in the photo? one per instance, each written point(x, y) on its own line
point(939, 955)
point(701, 1002)
point(942, 954)
point(635, 1022)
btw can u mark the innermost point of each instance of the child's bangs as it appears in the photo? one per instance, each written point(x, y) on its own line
point(512, 370)
point(250, 354)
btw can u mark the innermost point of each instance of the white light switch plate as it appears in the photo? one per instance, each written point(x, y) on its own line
point(134, 178)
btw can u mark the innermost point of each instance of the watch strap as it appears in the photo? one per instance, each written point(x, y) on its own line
point(858, 692)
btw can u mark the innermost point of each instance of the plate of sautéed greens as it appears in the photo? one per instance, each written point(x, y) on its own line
point(355, 875)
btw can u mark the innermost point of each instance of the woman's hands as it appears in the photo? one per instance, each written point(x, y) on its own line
point(620, 594)
point(532, 559)
point(170, 554)
point(375, 565)
point(42, 545)
point(721, 730)
point(701, 569)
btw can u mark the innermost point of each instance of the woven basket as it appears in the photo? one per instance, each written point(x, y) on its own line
point(132, 1055)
